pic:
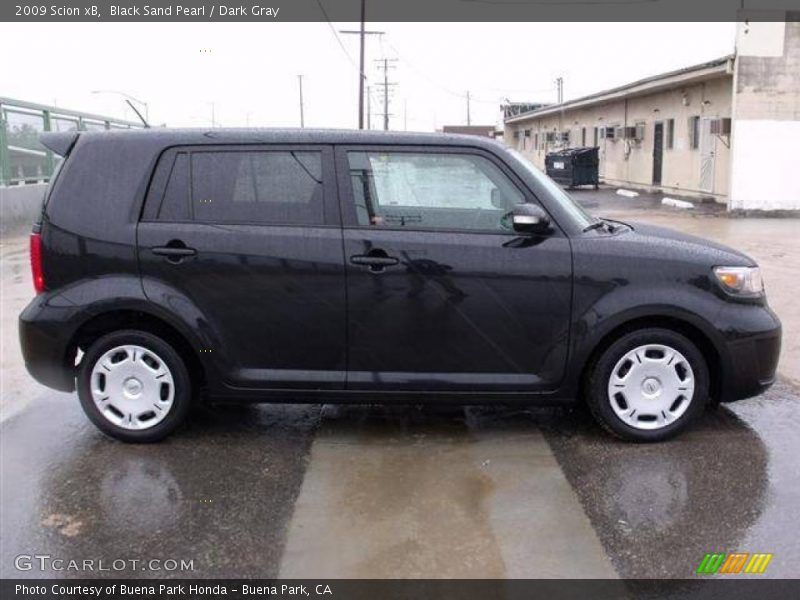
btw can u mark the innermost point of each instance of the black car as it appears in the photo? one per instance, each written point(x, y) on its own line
point(176, 266)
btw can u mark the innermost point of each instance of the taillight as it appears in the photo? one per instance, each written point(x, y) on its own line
point(36, 262)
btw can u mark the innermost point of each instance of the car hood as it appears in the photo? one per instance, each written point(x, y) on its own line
point(690, 246)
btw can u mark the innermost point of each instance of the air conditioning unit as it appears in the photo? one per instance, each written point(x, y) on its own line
point(626, 133)
point(609, 132)
point(640, 127)
point(551, 136)
point(721, 126)
point(564, 137)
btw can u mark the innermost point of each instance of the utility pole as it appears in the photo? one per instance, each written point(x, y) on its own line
point(386, 84)
point(369, 107)
point(302, 120)
point(469, 121)
point(560, 88)
point(362, 76)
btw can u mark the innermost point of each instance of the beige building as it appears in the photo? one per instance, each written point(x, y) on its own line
point(670, 132)
point(728, 129)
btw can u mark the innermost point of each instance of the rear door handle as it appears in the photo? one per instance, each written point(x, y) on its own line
point(175, 251)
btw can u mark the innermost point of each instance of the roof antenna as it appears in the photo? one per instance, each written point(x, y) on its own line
point(138, 114)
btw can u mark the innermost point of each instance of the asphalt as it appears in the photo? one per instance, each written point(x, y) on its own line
point(405, 491)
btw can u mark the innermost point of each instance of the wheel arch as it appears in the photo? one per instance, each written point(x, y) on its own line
point(130, 318)
point(695, 334)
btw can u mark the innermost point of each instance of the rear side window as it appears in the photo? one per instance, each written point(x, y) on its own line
point(267, 187)
point(175, 203)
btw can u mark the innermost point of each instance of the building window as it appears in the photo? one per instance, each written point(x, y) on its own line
point(694, 132)
point(535, 141)
point(583, 136)
point(670, 134)
point(596, 134)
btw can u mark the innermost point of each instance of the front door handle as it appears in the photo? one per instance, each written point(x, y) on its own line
point(175, 251)
point(376, 260)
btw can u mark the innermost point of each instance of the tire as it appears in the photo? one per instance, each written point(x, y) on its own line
point(145, 382)
point(648, 385)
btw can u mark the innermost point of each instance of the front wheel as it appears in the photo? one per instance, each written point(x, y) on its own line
point(134, 386)
point(648, 385)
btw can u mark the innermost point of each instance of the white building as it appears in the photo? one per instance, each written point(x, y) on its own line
point(727, 129)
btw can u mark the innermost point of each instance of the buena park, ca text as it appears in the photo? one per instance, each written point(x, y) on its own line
point(176, 590)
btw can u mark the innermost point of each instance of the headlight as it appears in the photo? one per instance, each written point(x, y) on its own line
point(744, 281)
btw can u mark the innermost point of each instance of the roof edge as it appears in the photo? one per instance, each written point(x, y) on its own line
point(604, 95)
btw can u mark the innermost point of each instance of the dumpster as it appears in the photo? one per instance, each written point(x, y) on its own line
point(574, 166)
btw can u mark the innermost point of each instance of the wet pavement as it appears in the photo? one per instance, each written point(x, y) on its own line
point(404, 491)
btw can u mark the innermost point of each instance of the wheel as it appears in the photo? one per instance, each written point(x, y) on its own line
point(648, 385)
point(134, 386)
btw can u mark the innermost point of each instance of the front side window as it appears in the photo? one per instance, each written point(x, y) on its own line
point(269, 187)
point(431, 191)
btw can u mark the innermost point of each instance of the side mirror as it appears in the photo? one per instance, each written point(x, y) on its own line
point(530, 218)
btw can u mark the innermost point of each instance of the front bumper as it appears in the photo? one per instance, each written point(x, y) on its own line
point(752, 352)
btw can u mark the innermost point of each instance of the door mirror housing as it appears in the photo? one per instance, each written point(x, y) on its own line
point(530, 218)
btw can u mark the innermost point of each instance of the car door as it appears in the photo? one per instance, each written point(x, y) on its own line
point(244, 242)
point(442, 294)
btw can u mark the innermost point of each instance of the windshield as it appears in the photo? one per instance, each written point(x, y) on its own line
point(576, 211)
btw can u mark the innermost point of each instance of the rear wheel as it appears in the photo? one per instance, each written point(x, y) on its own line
point(134, 386)
point(648, 385)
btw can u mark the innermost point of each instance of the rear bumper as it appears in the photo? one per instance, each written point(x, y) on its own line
point(753, 357)
point(44, 346)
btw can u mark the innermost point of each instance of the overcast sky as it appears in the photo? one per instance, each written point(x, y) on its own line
point(248, 71)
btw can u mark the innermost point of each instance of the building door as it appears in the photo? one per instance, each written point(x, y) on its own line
point(707, 152)
point(658, 152)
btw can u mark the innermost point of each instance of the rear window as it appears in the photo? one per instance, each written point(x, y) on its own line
point(267, 187)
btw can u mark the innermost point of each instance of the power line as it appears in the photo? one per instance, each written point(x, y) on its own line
point(452, 92)
point(336, 35)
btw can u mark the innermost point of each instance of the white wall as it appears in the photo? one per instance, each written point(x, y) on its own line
point(766, 117)
point(765, 163)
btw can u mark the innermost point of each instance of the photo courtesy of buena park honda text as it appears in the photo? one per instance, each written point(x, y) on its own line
point(371, 299)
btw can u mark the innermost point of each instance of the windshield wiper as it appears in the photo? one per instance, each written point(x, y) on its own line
point(596, 225)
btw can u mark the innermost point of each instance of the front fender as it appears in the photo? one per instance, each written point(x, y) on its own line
point(605, 313)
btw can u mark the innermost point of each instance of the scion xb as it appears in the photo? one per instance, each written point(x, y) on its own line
point(182, 266)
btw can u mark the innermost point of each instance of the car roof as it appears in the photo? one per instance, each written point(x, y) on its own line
point(169, 136)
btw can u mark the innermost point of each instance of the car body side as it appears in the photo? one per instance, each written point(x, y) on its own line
point(664, 279)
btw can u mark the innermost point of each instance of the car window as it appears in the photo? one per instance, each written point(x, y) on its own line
point(435, 190)
point(268, 187)
point(175, 202)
